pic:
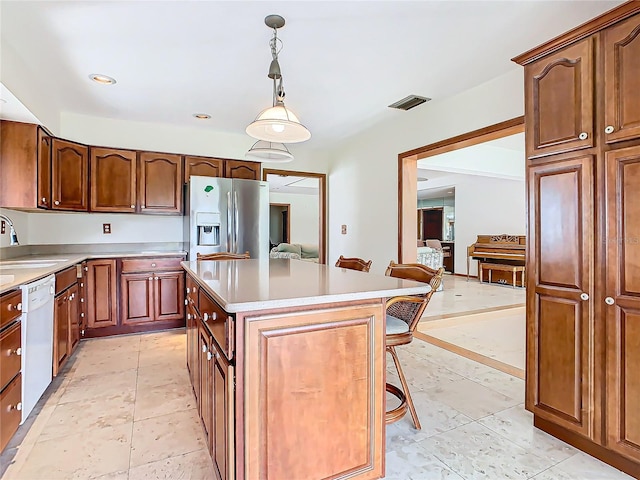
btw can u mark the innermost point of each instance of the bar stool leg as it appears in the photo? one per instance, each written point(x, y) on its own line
point(514, 278)
point(405, 388)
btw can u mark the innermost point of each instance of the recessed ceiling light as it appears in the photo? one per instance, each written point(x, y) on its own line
point(202, 116)
point(102, 79)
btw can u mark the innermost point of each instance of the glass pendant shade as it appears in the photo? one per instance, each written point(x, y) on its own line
point(278, 124)
point(263, 151)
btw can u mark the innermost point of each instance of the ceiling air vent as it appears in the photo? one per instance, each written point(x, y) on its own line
point(407, 103)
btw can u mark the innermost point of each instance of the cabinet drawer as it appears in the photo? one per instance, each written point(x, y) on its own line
point(66, 278)
point(10, 354)
point(219, 322)
point(10, 416)
point(10, 307)
point(150, 264)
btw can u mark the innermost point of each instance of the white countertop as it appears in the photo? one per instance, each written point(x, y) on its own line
point(11, 278)
point(261, 284)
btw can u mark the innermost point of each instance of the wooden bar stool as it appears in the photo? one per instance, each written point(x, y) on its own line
point(403, 315)
point(353, 263)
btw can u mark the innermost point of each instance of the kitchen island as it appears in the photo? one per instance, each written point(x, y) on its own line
point(287, 362)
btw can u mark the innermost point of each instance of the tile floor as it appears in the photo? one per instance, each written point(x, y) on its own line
point(123, 409)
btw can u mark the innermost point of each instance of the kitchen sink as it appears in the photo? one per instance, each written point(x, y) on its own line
point(25, 265)
point(4, 279)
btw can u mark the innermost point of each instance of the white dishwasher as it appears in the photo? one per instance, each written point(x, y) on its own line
point(37, 340)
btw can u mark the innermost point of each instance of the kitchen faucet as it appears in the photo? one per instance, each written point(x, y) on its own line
point(12, 231)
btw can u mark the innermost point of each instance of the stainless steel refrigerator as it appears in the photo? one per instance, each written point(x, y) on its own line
point(226, 215)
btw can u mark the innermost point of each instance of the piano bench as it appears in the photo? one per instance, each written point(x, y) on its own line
point(514, 269)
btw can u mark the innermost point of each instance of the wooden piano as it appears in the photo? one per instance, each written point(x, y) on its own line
point(497, 250)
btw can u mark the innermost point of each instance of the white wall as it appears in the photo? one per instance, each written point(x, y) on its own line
point(304, 216)
point(71, 228)
point(363, 176)
point(486, 205)
point(21, 225)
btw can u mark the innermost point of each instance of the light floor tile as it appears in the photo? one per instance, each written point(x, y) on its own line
point(106, 385)
point(582, 467)
point(85, 415)
point(190, 466)
point(475, 452)
point(516, 425)
point(413, 462)
point(82, 455)
point(154, 401)
point(471, 398)
point(172, 356)
point(166, 436)
point(153, 375)
point(101, 364)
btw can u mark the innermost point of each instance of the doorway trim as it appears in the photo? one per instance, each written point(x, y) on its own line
point(408, 177)
point(322, 207)
point(287, 207)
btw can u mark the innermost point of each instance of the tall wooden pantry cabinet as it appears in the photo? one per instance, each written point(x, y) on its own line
point(582, 125)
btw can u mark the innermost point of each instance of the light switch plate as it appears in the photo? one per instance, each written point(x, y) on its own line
point(344, 229)
point(106, 228)
point(3, 227)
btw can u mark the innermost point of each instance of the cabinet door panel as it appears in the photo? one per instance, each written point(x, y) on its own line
point(137, 298)
point(74, 319)
point(160, 185)
point(44, 169)
point(222, 428)
point(621, 45)
point(559, 101)
point(205, 366)
point(202, 166)
point(559, 324)
point(60, 332)
point(169, 297)
point(241, 169)
point(102, 307)
point(623, 287)
point(69, 167)
point(113, 180)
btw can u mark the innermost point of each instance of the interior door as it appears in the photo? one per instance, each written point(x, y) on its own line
point(560, 271)
point(432, 224)
point(622, 301)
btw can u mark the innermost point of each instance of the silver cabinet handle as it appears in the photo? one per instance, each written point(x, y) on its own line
point(609, 129)
point(188, 316)
point(188, 290)
point(142, 206)
point(44, 201)
point(82, 315)
point(82, 300)
point(17, 352)
point(156, 278)
point(72, 296)
point(153, 264)
point(609, 301)
point(186, 302)
point(205, 317)
point(204, 348)
point(584, 296)
point(19, 307)
point(56, 202)
point(209, 356)
point(150, 278)
point(17, 406)
point(214, 316)
point(583, 136)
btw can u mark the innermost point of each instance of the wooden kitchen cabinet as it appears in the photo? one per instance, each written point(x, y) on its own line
point(222, 426)
point(583, 320)
point(202, 166)
point(160, 183)
point(205, 374)
point(621, 47)
point(101, 298)
point(10, 410)
point(69, 176)
point(559, 90)
point(113, 180)
point(45, 142)
point(66, 318)
point(152, 295)
point(18, 165)
point(242, 169)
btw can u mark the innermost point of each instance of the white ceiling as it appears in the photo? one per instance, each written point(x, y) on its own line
point(12, 109)
point(293, 184)
point(342, 62)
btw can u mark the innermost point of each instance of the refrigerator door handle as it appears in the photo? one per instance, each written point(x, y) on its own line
point(236, 220)
point(230, 246)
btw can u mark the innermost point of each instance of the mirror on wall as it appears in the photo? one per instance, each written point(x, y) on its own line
point(297, 212)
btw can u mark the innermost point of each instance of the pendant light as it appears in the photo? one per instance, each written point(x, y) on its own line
point(263, 151)
point(277, 124)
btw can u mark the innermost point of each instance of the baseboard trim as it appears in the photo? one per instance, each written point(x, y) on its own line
point(125, 329)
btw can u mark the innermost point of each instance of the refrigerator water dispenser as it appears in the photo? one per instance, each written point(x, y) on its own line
point(208, 228)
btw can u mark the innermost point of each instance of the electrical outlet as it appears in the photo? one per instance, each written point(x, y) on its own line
point(3, 228)
point(106, 228)
point(344, 229)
